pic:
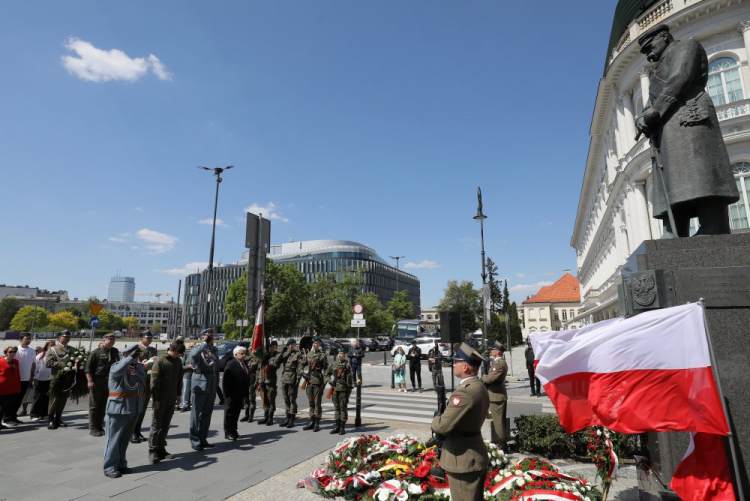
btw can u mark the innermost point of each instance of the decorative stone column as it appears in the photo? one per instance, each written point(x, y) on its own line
point(744, 28)
point(645, 82)
point(641, 203)
point(629, 118)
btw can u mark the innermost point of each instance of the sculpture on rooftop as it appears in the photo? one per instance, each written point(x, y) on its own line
point(692, 176)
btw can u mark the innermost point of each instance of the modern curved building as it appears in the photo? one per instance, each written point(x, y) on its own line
point(614, 210)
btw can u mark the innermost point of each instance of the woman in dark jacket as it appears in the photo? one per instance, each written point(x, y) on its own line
point(10, 382)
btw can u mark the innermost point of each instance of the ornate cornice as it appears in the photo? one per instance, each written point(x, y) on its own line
point(743, 26)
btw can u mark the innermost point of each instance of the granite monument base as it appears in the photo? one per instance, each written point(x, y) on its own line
point(670, 272)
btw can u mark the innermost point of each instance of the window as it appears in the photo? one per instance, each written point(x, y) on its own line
point(724, 84)
point(571, 314)
point(557, 315)
point(738, 211)
point(565, 315)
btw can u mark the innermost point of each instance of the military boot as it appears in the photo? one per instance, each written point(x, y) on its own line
point(265, 419)
point(336, 428)
point(317, 424)
point(291, 421)
point(246, 417)
point(285, 423)
point(342, 430)
point(269, 421)
point(310, 425)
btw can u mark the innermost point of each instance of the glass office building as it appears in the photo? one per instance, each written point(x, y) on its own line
point(121, 289)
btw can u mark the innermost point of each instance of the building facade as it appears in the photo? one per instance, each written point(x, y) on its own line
point(555, 307)
point(614, 213)
point(121, 289)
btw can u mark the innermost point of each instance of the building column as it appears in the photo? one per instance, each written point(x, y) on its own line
point(619, 131)
point(744, 28)
point(645, 82)
point(629, 117)
point(641, 203)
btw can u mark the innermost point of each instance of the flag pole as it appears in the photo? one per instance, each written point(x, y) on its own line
point(730, 436)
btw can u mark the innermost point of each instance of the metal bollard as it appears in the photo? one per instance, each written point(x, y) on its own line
point(358, 416)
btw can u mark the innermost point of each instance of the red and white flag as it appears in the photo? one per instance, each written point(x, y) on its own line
point(257, 346)
point(651, 372)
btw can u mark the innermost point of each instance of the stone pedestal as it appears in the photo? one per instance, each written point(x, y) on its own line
point(681, 270)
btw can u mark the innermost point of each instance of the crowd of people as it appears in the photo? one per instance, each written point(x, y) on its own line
point(122, 383)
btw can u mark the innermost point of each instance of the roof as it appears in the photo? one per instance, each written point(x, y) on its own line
point(565, 290)
point(626, 12)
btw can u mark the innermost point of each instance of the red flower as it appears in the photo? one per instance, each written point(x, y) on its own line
point(422, 470)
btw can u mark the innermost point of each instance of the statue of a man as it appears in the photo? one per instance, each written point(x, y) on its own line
point(691, 166)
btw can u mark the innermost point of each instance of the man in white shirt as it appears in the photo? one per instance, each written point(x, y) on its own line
point(26, 357)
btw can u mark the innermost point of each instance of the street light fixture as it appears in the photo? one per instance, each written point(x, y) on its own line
point(397, 273)
point(217, 173)
point(481, 217)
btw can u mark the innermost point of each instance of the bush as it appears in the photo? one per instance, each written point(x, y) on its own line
point(542, 435)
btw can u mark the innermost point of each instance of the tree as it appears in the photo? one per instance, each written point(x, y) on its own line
point(496, 294)
point(287, 299)
point(330, 307)
point(377, 319)
point(63, 320)
point(157, 327)
point(234, 307)
point(399, 307)
point(130, 323)
point(81, 322)
point(516, 335)
point(506, 297)
point(466, 301)
point(25, 317)
point(497, 329)
point(110, 321)
point(9, 306)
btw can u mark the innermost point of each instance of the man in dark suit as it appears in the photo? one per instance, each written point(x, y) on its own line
point(235, 383)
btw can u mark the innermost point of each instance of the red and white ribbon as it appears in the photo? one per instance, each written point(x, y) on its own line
point(546, 495)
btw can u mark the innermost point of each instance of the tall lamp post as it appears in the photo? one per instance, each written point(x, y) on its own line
point(397, 273)
point(217, 173)
point(481, 217)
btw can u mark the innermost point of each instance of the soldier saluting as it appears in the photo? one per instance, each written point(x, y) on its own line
point(464, 455)
point(341, 380)
point(318, 363)
point(205, 381)
point(495, 382)
point(147, 352)
point(97, 373)
point(56, 359)
point(291, 357)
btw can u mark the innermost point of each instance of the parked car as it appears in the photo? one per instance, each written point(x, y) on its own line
point(385, 342)
point(425, 344)
point(305, 344)
point(369, 344)
point(225, 351)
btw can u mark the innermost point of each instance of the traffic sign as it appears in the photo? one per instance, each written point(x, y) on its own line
point(358, 308)
point(241, 322)
point(358, 316)
point(94, 322)
point(358, 323)
point(95, 308)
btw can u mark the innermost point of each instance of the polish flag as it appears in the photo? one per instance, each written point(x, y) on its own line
point(257, 346)
point(704, 471)
point(651, 372)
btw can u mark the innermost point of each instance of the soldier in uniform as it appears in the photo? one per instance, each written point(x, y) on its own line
point(56, 360)
point(253, 366)
point(267, 379)
point(340, 373)
point(127, 398)
point(435, 364)
point(414, 356)
point(205, 381)
point(166, 386)
point(291, 358)
point(494, 380)
point(318, 363)
point(464, 455)
point(97, 373)
point(147, 352)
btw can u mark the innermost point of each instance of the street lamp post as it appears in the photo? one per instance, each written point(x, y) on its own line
point(217, 173)
point(397, 273)
point(481, 217)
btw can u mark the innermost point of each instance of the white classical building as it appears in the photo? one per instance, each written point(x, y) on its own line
point(614, 209)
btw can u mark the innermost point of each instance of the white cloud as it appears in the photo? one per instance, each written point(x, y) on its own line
point(424, 264)
point(97, 65)
point(156, 242)
point(137, 209)
point(185, 270)
point(520, 275)
point(547, 223)
point(269, 211)
point(115, 239)
point(210, 221)
point(523, 288)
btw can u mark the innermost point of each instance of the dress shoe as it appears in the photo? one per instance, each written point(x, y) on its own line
point(52, 425)
point(165, 455)
point(96, 432)
point(9, 424)
point(206, 445)
point(245, 418)
point(230, 436)
point(113, 474)
point(197, 447)
point(125, 470)
point(135, 440)
point(153, 458)
point(141, 437)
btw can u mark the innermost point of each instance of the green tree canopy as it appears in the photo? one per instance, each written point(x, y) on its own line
point(130, 323)
point(110, 321)
point(516, 335)
point(157, 328)
point(496, 293)
point(466, 301)
point(329, 307)
point(234, 307)
point(26, 316)
point(63, 320)
point(400, 308)
point(9, 306)
point(287, 299)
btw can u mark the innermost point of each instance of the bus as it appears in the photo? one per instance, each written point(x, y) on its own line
point(406, 330)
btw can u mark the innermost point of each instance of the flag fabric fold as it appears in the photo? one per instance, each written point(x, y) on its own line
point(257, 347)
point(704, 471)
point(651, 372)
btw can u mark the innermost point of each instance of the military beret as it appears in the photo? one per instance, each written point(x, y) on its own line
point(207, 331)
point(645, 39)
point(65, 333)
point(274, 343)
point(498, 346)
point(317, 339)
point(129, 348)
point(146, 334)
point(109, 336)
point(290, 342)
point(469, 355)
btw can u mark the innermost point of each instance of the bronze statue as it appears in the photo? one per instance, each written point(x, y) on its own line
point(692, 174)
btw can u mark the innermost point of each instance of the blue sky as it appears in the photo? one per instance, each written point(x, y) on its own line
point(372, 121)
